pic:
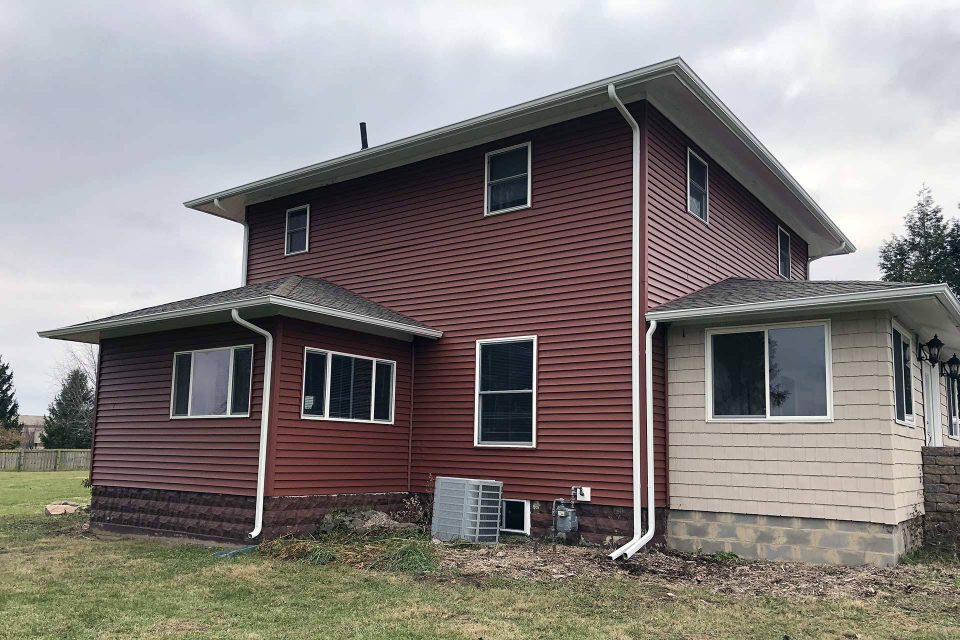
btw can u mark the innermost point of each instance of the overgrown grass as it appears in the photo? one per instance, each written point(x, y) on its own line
point(63, 586)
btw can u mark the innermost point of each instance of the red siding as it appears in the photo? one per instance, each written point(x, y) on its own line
point(136, 442)
point(324, 456)
point(684, 253)
point(415, 239)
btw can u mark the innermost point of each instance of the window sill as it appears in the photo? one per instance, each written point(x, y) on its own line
point(295, 253)
point(504, 445)
point(817, 420)
point(235, 415)
point(489, 214)
point(705, 220)
point(904, 423)
point(515, 531)
point(953, 437)
point(326, 419)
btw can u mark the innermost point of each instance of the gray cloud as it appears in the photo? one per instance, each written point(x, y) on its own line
point(115, 113)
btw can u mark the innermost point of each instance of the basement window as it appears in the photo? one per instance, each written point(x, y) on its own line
point(212, 383)
point(771, 373)
point(903, 375)
point(298, 230)
point(698, 186)
point(508, 179)
point(339, 386)
point(506, 384)
point(515, 516)
point(783, 252)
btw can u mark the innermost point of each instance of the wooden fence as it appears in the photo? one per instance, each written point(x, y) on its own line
point(44, 459)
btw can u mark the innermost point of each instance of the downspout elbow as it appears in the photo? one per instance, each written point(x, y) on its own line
point(264, 420)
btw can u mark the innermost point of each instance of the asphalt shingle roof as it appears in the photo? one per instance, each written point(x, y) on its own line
point(733, 291)
point(296, 288)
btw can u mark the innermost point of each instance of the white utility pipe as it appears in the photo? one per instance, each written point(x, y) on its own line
point(638, 540)
point(264, 418)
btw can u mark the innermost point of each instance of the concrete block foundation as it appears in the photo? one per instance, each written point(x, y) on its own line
point(810, 540)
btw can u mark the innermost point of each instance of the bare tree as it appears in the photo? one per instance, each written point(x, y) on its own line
point(80, 356)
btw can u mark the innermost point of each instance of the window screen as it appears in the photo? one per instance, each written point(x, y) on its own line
point(242, 367)
point(697, 182)
point(508, 179)
point(314, 383)
point(783, 245)
point(505, 392)
point(902, 376)
point(181, 384)
point(350, 392)
point(298, 221)
point(383, 393)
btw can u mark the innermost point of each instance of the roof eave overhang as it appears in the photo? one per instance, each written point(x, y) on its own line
point(837, 302)
point(671, 86)
point(264, 306)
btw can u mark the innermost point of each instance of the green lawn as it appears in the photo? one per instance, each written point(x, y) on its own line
point(57, 581)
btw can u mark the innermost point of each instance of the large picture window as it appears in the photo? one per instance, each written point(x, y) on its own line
point(775, 372)
point(212, 383)
point(903, 375)
point(508, 179)
point(339, 386)
point(506, 392)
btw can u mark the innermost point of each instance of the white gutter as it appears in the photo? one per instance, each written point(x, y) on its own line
point(635, 318)
point(264, 419)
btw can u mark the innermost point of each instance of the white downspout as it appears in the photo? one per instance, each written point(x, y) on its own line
point(638, 540)
point(264, 419)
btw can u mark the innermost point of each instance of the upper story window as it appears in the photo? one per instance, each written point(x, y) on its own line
point(698, 185)
point(506, 392)
point(783, 252)
point(903, 374)
point(298, 230)
point(773, 372)
point(212, 383)
point(508, 179)
point(338, 386)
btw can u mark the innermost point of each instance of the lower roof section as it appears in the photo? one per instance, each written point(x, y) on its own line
point(928, 309)
point(311, 299)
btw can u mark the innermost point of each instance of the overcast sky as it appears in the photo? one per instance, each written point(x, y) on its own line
point(111, 115)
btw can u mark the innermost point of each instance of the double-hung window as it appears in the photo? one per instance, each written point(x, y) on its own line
point(212, 383)
point(903, 375)
point(774, 372)
point(508, 179)
point(698, 185)
point(298, 230)
point(783, 252)
point(506, 383)
point(339, 386)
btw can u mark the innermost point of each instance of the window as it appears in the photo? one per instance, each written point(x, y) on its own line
point(783, 251)
point(298, 230)
point(775, 372)
point(508, 179)
point(506, 392)
point(698, 182)
point(953, 408)
point(515, 516)
point(212, 383)
point(338, 386)
point(903, 375)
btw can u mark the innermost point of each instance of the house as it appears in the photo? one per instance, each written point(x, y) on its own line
point(606, 289)
point(30, 431)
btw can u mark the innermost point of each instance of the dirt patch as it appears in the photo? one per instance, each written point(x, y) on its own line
point(722, 576)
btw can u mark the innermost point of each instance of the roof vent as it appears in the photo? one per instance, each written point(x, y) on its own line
point(466, 510)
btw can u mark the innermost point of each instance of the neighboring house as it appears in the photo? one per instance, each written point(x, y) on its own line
point(31, 430)
point(470, 302)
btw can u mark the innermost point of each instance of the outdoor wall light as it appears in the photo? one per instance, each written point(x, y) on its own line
point(932, 348)
point(953, 367)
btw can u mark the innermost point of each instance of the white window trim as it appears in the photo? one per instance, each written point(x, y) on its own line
point(953, 408)
point(173, 383)
point(326, 392)
point(780, 231)
point(486, 179)
point(476, 397)
point(708, 369)
point(286, 231)
point(706, 187)
point(526, 516)
point(910, 419)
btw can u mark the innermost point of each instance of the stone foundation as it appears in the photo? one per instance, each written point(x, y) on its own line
point(941, 498)
point(808, 540)
point(599, 524)
point(300, 515)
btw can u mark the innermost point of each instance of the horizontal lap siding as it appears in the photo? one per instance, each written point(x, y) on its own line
point(328, 457)
point(136, 444)
point(415, 239)
point(684, 253)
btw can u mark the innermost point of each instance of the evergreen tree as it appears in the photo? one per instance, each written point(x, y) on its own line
point(69, 418)
point(9, 408)
point(925, 253)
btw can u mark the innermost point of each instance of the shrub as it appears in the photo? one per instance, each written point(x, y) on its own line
point(9, 439)
point(412, 557)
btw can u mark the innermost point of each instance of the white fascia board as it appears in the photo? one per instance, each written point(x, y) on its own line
point(66, 332)
point(940, 291)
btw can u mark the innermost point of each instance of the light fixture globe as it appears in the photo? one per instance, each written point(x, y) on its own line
point(953, 367)
point(933, 349)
